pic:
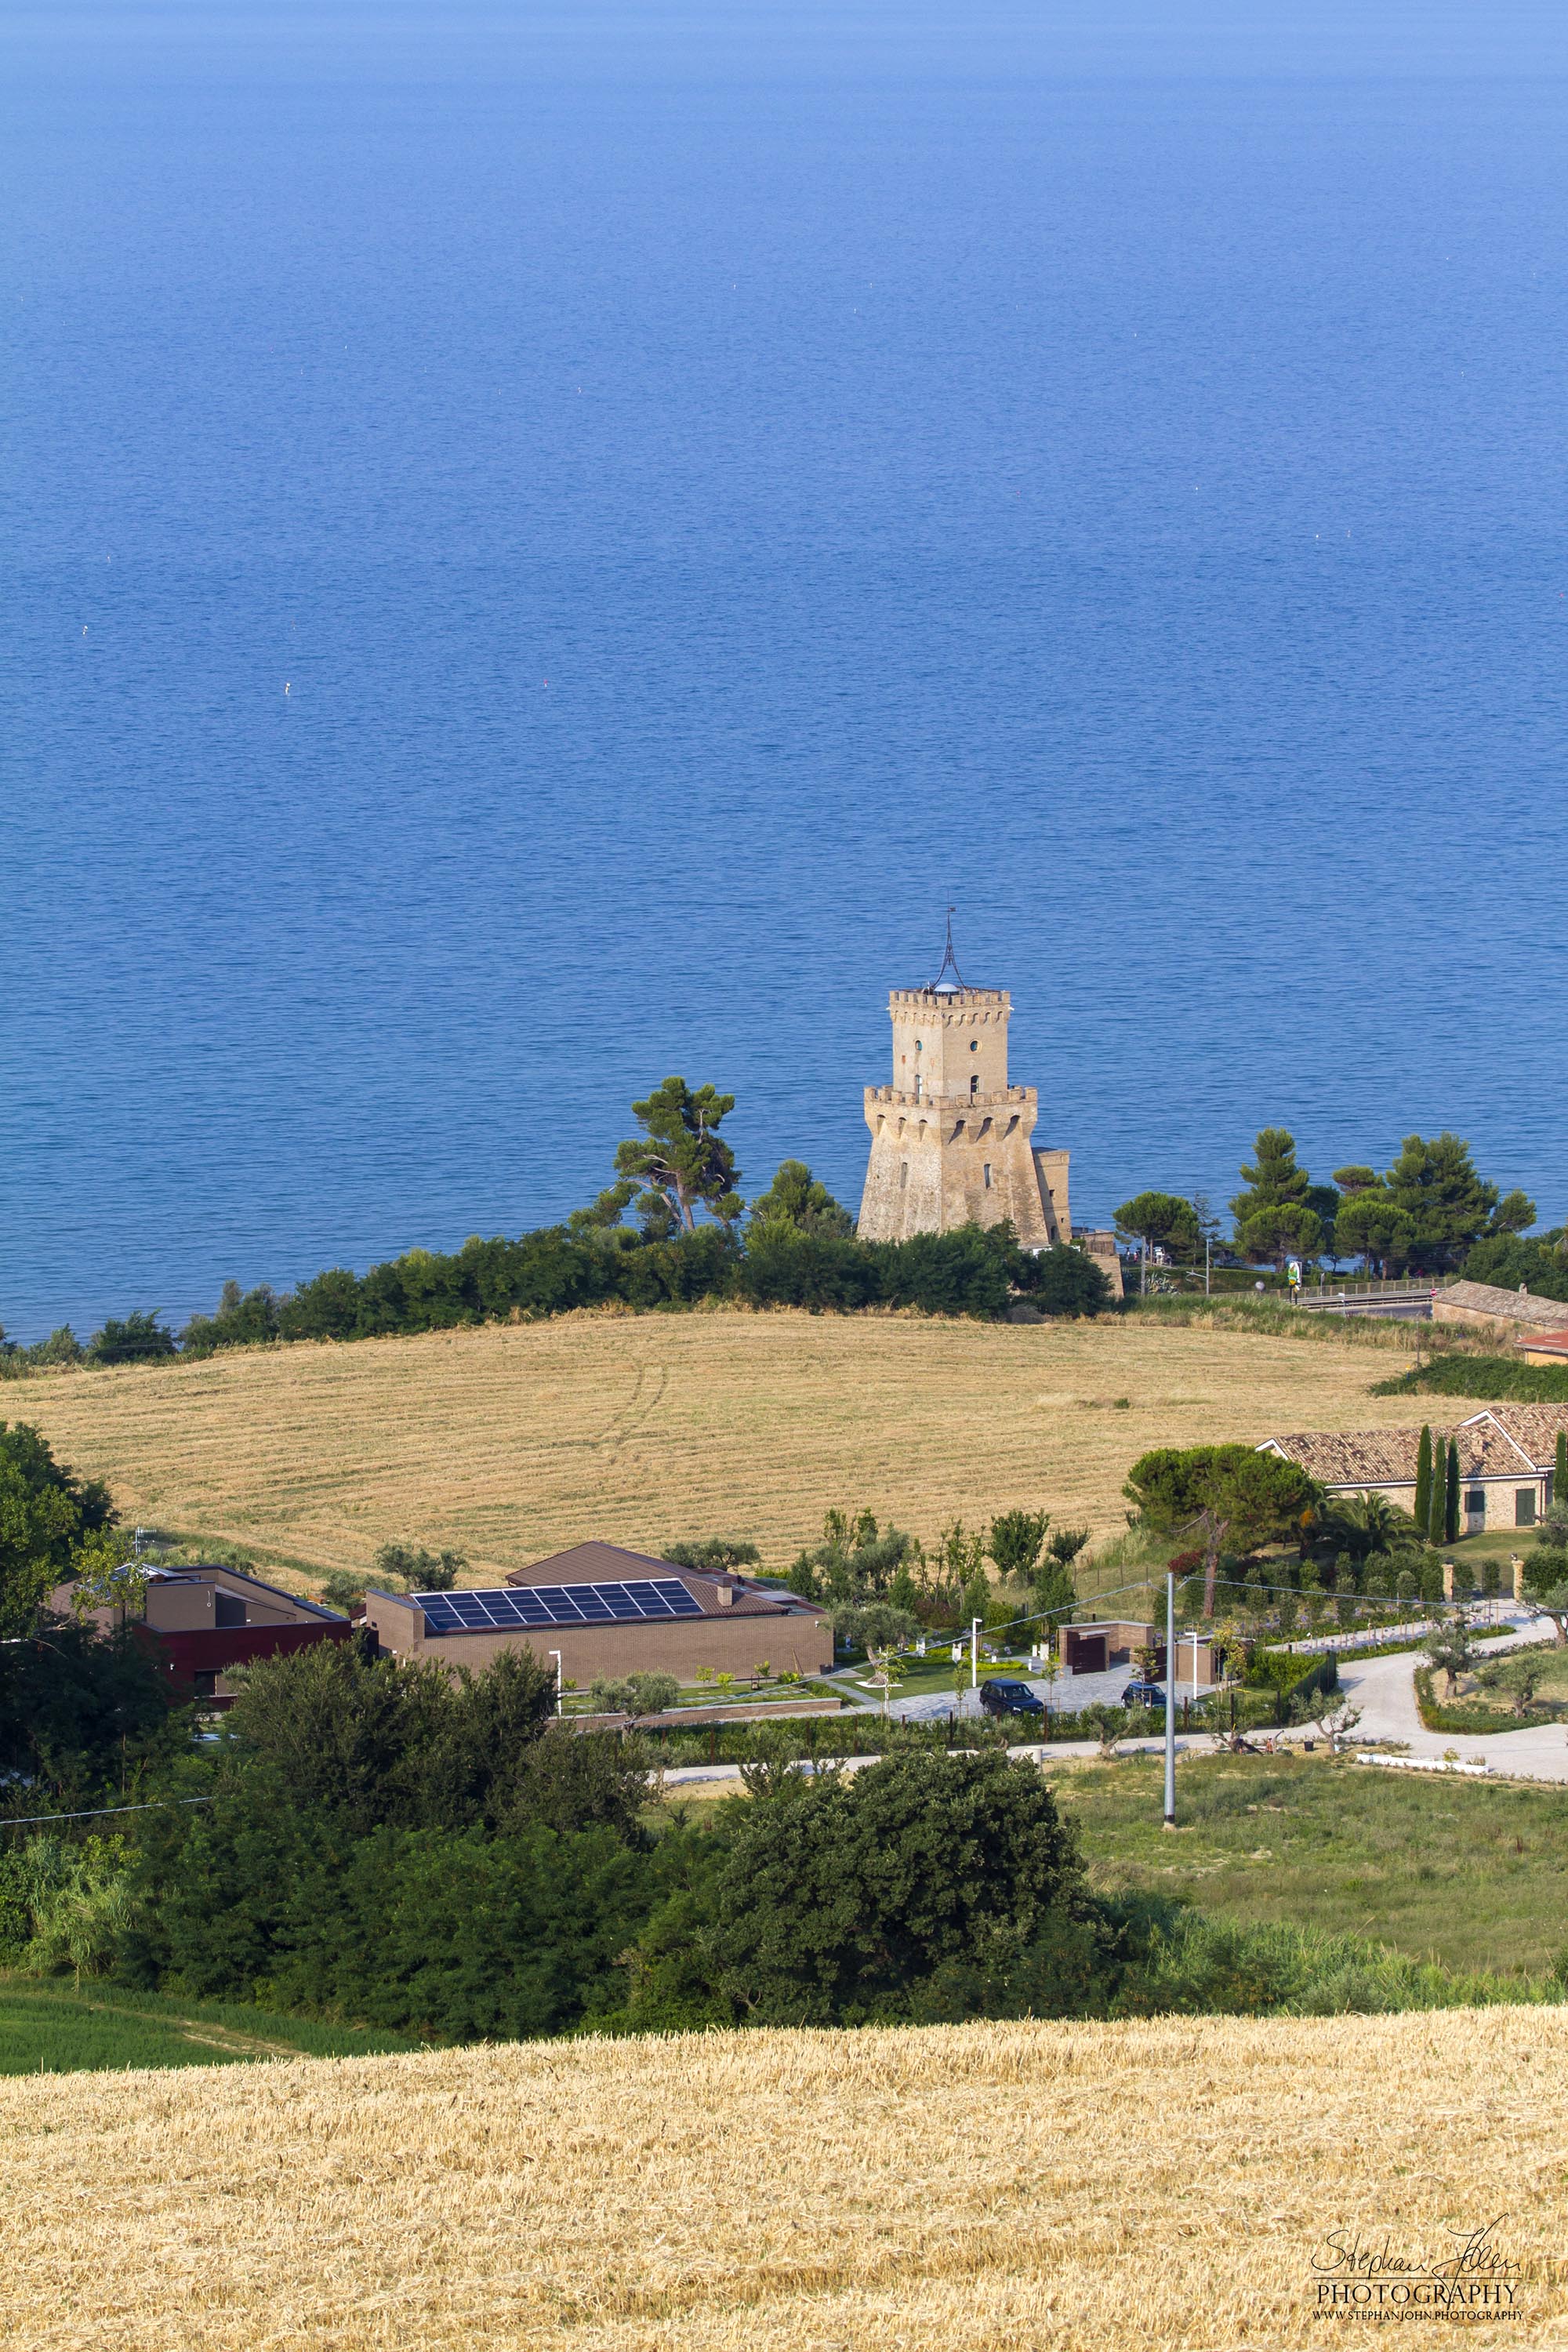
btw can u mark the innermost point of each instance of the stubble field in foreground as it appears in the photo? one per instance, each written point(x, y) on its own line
point(1083, 2188)
point(510, 1440)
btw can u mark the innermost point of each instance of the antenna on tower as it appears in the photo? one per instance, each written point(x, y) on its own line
point(942, 985)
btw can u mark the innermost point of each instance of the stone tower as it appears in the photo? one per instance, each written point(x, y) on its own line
point(951, 1142)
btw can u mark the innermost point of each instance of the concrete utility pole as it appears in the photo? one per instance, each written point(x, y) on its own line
point(559, 1690)
point(974, 1654)
point(1170, 1698)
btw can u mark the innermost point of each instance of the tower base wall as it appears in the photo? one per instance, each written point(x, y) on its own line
point(936, 1166)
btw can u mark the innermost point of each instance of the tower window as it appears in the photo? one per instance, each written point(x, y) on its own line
point(973, 1085)
point(988, 1175)
point(904, 1175)
point(975, 1044)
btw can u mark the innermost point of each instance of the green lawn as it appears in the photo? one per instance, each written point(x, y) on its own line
point(1472, 1875)
point(918, 1677)
point(50, 2026)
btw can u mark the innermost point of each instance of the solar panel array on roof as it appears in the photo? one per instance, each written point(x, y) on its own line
point(507, 1606)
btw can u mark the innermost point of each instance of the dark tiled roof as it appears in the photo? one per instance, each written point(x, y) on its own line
point(589, 1563)
point(202, 1572)
point(607, 1563)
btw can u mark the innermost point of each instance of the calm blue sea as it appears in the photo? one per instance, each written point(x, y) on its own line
point(546, 546)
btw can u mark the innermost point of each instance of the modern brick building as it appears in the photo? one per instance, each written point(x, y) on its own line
point(599, 1610)
point(203, 1619)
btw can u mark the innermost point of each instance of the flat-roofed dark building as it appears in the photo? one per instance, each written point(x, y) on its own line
point(201, 1620)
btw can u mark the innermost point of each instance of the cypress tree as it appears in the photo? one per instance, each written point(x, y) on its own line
point(1560, 1469)
point(1423, 1479)
point(1451, 1511)
point(1437, 1510)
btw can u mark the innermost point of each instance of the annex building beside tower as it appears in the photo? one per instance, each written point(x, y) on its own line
point(952, 1143)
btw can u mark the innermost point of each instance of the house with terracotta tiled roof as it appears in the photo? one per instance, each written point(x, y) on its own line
point(1486, 1307)
point(1543, 1346)
point(1506, 1456)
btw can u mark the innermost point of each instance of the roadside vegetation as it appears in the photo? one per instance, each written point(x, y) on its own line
point(374, 1847)
point(371, 1845)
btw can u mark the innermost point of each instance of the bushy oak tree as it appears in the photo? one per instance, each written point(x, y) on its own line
point(45, 1513)
point(795, 1199)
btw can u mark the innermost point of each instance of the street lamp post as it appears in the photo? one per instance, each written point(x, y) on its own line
point(1170, 1698)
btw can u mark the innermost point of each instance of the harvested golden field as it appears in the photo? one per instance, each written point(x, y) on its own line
point(1083, 2188)
point(510, 1440)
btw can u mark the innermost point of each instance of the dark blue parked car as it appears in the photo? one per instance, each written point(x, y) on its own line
point(999, 1695)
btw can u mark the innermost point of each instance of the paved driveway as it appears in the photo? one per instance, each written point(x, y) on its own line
point(1385, 1690)
point(1065, 1696)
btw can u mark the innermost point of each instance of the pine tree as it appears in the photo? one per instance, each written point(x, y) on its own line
point(1273, 1216)
point(1451, 1500)
point(1434, 1182)
point(1424, 1478)
point(1437, 1510)
point(1560, 1469)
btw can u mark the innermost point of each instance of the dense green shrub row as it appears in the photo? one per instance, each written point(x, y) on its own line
point(975, 1271)
point(1490, 1380)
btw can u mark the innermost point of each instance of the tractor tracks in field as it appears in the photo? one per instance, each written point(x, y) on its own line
point(627, 1420)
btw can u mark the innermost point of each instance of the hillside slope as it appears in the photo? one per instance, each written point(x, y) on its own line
point(512, 1440)
point(1083, 2188)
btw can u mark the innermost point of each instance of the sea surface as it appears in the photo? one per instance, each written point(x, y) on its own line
point(547, 547)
